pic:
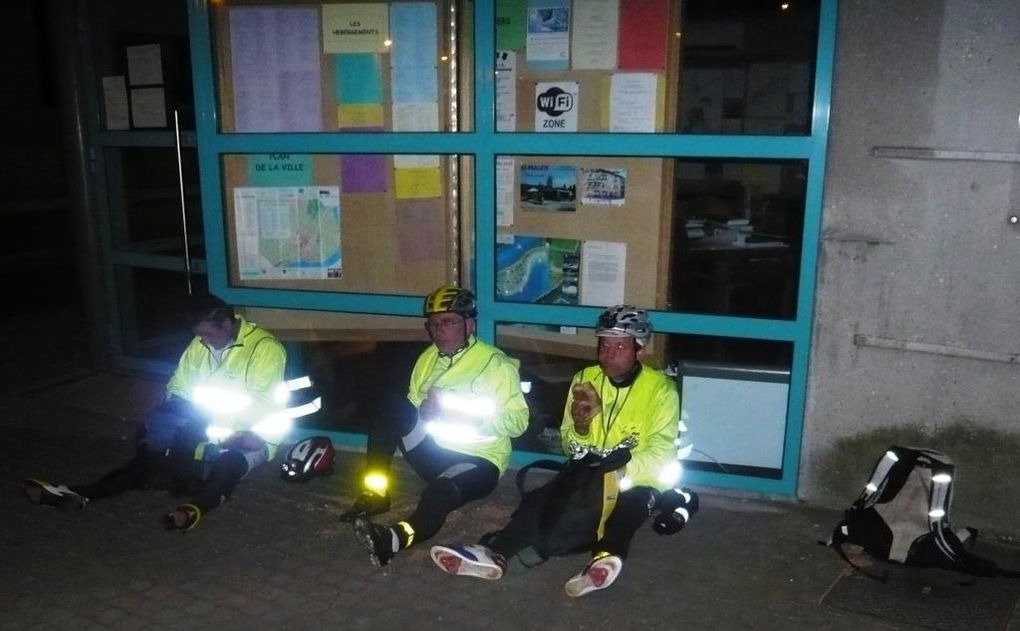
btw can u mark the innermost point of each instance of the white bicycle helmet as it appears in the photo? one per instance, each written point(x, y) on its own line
point(623, 321)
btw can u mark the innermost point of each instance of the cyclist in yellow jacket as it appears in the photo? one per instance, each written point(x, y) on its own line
point(225, 385)
point(619, 402)
point(464, 404)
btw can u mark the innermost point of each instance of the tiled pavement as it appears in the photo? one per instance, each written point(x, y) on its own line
point(275, 556)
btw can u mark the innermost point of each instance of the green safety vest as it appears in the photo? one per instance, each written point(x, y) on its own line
point(479, 369)
point(253, 362)
point(648, 410)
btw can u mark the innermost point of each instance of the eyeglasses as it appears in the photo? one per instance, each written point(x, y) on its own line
point(439, 325)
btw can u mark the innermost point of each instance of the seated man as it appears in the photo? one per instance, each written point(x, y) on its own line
point(227, 383)
point(617, 404)
point(463, 406)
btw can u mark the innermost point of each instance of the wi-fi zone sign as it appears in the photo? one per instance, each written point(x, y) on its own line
point(556, 106)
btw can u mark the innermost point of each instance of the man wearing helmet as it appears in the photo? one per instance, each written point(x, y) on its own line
point(463, 406)
point(617, 403)
point(226, 379)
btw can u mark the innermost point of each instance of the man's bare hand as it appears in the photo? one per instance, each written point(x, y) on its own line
point(429, 408)
point(585, 405)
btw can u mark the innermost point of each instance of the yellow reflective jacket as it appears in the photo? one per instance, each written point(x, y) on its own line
point(254, 362)
point(479, 369)
point(648, 410)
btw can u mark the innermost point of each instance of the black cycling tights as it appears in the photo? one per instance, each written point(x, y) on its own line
point(454, 479)
point(228, 470)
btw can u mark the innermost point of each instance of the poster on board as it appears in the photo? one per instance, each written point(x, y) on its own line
point(548, 187)
point(604, 187)
point(288, 232)
point(541, 270)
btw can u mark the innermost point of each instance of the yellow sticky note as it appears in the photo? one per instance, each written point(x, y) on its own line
point(417, 183)
point(359, 115)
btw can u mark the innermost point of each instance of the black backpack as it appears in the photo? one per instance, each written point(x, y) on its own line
point(567, 514)
point(903, 516)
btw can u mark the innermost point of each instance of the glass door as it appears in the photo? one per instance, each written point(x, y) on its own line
point(145, 174)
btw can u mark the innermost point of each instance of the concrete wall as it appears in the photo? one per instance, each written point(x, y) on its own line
point(917, 250)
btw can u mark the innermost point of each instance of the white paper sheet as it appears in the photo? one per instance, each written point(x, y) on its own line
point(145, 65)
point(115, 102)
point(505, 191)
point(603, 269)
point(632, 102)
point(148, 107)
point(415, 117)
point(595, 35)
point(506, 90)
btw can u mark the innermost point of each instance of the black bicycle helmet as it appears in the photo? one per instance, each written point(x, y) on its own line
point(449, 299)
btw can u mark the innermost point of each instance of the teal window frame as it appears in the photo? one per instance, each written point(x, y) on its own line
point(484, 143)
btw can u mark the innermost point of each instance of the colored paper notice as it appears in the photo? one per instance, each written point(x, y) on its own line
point(280, 169)
point(357, 78)
point(421, 235)
point(275, 66)
point(556, 106)
point(506, 90)
point(414, 84)
point(364, 173)
point(413, 31)
point(288, 232)
point(538, 269)
point(594, 42)
point(115, 103)
point(361, 115)
point(504, 191)
point(632, 102)
point(414, 74)
point(416, 116)
point(603, 269)
point(145, 65)
point(511, 24)
point(354, 28)
point(548, 34)
point(417, 183)
point(415, 161)
point(550, 187)
point(644, 31)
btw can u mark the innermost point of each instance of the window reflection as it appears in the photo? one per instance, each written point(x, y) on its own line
point(145, 199)
point(737, 237)
point(747, 67)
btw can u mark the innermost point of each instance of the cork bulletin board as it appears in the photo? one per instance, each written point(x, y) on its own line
point(287, 69)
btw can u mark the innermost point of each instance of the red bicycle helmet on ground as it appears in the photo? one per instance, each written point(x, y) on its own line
point(309, 458)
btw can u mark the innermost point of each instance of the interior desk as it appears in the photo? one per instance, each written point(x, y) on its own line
point(747, 279)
